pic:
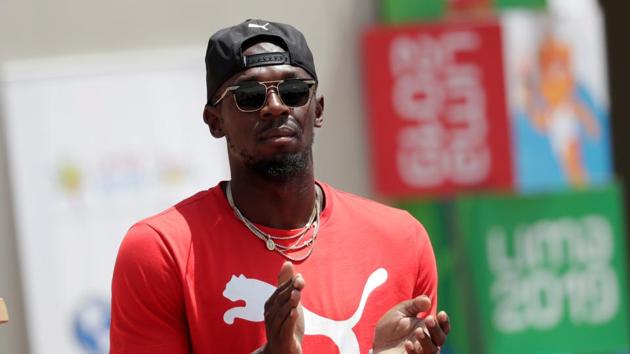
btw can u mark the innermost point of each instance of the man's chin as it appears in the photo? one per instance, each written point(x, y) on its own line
point(282, 166)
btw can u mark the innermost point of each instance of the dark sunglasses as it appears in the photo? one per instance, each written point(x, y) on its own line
point(251, 96)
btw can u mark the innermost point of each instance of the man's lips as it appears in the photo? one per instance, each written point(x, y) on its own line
point(277, 133)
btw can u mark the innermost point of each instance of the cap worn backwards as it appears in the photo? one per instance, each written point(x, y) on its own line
point(224, 56)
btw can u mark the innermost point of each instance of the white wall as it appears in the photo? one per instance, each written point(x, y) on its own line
point(40, 28)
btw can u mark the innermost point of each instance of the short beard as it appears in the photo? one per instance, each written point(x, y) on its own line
point(282, 167)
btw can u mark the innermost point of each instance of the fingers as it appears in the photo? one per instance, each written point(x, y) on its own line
point(426, 342)
point(287, 282)
point(430, 340)
point(410, 347)
point(298, 282)
point(413, 347)
point(279, 296)
point(413, 307)
point(288, 316)
point(444, 322)
point(423, 344)
point(281, 310)
point(438, 337)
point(286, 273)
point(287, 295)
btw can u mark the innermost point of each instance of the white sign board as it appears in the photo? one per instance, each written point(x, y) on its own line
point(96, 143)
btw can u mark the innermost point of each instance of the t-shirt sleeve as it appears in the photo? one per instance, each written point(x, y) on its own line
point(427, 279)
point(148, 313)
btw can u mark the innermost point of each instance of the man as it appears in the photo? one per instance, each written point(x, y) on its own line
point(273, 261)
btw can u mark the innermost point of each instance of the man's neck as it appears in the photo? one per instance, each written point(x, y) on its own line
point(278, 203)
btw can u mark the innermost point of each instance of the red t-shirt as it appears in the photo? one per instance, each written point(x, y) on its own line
point(194, 279)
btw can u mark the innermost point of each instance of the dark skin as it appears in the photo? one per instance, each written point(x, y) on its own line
point(401, 331)
point(288, 203)
point(274, 130)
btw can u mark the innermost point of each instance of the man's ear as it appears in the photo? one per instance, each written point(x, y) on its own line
point(319, 112)
point(212, 117)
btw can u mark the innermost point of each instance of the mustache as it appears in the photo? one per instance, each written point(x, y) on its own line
point(288, 123)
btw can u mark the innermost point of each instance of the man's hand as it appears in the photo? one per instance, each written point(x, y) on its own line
point(401, 331)
point(284, 318)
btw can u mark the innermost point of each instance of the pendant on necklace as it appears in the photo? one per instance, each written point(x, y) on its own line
point(270, 244)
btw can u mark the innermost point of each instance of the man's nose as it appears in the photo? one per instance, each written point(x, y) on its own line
point(274, 107)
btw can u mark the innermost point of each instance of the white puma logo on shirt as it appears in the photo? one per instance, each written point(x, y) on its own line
point(255, 292)
point(253, 25)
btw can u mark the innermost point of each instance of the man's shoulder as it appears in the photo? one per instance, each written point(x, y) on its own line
point(167, 236)
point(355, 204)
point(383, 222)
point(175, 211)
point(185, 214)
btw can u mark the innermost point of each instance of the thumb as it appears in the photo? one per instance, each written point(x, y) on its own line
point(286, 273)
point(411, 308)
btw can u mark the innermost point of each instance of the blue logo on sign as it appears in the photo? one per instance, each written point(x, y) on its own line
point(91, 326)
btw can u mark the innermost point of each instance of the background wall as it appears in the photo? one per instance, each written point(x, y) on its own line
point(35, 29)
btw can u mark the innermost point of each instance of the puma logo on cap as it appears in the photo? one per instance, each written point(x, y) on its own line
point(253, 25)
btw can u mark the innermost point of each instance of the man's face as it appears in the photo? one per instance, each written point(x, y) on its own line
point(276, 140)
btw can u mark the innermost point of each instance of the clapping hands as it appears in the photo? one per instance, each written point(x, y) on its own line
point(399, 330)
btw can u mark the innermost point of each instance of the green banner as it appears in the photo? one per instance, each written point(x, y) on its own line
point(436, 217)
point(534, 4)
point(399, 11)
point(548, 272)
point(404, 11)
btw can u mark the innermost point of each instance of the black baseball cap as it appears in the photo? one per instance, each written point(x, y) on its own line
point(224, 56)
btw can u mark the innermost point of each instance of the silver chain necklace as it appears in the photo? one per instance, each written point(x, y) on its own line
point(268, 239)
